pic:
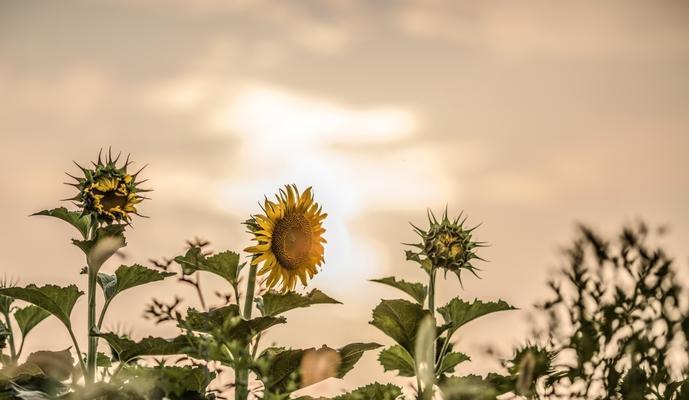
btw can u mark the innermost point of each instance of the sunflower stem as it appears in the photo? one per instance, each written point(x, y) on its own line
point(92, 340)
point(13, 351)
point(427, 392)
point(241, 391)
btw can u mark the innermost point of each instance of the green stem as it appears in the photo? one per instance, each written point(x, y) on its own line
point(102, 314)
point(241, 373)
point(13, 350)
point(92, 340)
point(79, 353)
point(250, 287)
point(427, 392)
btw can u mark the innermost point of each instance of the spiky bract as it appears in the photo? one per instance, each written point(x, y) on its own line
point(107, 192)
point(448, 244)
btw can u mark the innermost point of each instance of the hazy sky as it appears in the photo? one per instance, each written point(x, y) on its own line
point(530, 116)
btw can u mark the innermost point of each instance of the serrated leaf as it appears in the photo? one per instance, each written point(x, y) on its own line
point(59, 301)
point(397, 358)
point(28, 317)
point(450, 362)
point(225, 265)
point(55, 364)
point(400, 320)
point(127, 277)
point(103, 360)
point(165, 381)
point(81, 222)
point(474, 387)
point(458, 312)
point(274, 303)
point(128, 349)
point(280, 369)
point(417, 291)
point(351, 354)
point(226, 322)
point(374, 391)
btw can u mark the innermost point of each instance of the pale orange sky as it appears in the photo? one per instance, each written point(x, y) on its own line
point(530, 116)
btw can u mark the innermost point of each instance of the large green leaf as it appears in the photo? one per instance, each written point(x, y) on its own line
point(274, 303)
point(416, 290)
point(397, 358)
point(81, 222)
point(55, 364)
point(374, 391)
point(226, 264)
point(57, 300)
point(278, 369)
point(450, 362)
point(106, 242)
point(400, 320)
point(351, 354)
point(128, 349)
point(474, 387)
point(169, 382)
point(127, 277)
point(458, 312)
point(28, 317)
point(227, 323)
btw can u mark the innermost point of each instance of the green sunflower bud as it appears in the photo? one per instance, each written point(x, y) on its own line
point(448, 244)
point(107, 192)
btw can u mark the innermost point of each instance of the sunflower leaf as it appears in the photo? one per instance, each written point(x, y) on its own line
point(278, 369)
point(28, 317)
point(399, 319)
point(226, 264)
point(458, 312)
point(351, 354)
point(376, 391)
point(417, 291)
point(57, 300)
point(81, 222)
point(55, 364)
point(274, 303)
point(228, 324)
point(397, 358)
point(450, 361)
point(168, 382)
point(127, 277)
point(128, 349)
point(475, 387)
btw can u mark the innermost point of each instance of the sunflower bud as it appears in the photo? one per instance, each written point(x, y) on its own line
point(107, 192)
point(448, 244)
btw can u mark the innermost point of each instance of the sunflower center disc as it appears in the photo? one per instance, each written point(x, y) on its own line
point(292, 240)
point(112, 199)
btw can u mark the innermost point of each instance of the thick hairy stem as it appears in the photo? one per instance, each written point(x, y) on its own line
point(92, 327)
point(427, 393)
point(241, 373)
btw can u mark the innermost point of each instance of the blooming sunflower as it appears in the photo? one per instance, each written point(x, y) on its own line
point(290, 238)
point(107, 192)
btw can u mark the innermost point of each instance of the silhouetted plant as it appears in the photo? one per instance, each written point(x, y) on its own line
point(617, 317)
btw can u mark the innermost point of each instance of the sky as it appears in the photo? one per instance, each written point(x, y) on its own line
point(528, 116)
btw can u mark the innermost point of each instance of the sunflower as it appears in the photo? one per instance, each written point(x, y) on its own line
point(107, 192)
point(290, 238)
point(448, 244)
